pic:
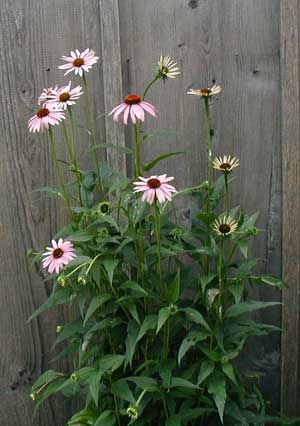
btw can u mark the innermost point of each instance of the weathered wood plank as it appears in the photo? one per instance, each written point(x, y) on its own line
point(236, 44)
point(112, 79)
point(33, 36)
point(290, 378)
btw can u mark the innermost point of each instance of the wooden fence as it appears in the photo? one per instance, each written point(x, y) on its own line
point(251, 48)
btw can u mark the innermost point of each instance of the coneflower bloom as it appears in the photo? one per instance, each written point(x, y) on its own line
point(135, 106)
point(167, 68)
point(58, 255)
point(225, 225)
point(65, 96)
point(44, 96)
point(155, 188)
point(79, 62)
point(225, 164)
point(206, 92)
point(45, 117)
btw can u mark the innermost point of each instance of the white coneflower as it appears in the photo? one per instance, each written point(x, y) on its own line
point(206, 92)
point(167, 68)
point(63, 97)
point(225, 225)
point(226, 163)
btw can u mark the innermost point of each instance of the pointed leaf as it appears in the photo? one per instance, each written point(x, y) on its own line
point(95, 304)
point(195, 316)
point(153, 163)
point(206, 368)
point(150, 323)
point(174, 289)
point(217, 388)
point(228, 370)
point(189, 341)
point(245, 307)
point(110, 266)
point(163, 315)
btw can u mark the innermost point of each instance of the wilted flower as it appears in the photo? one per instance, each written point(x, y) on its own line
point(45, 117)
point(225, 164)
point(206, 92)
point(61, 253)
point(79, 62)
point(212, 294)
point(135, 106)
point(132, 412)
point(225, 226)
point(44, 96)
point(155, 188)
point(59, 329)
point(167, 68)
point(65, 96)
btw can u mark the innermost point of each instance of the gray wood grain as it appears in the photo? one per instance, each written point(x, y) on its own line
point(33, 37)
point(236, 44)
point(112, 79)
point(290, 379)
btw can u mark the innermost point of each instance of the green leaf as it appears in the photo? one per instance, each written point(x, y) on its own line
point(163, 315)
point(95, 304)
point(228, 370)
point(47, 377)
point(94, 386)
point(131, 340)
point(216, 386)
point(131, 285)
point(245, 307)
point(237, 291)
point(195, 316)
point(150, 323)
point(174, 289)
point(190, 340)
point(143, 382)
point(174, 420)
point(118, 148)
point(68, 331)
point(243, 246)
point(51, 192)
point(206, 279)
point(158, 133)
point(107, 418)
point(59, 296)
point(153, 163)
point(272, 281)
point(111, 362)
point(137, 210)
point(79, 237)
point(206, 368)
point(182, 383)
point(110, 266)
point(121, 389)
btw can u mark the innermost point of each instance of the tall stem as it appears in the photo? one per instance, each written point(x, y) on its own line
point(58, 171)
point(221, 289)
point(149, 85)
point(158, 245)
point(209, 148)
point(73, 149)
point(91, 131)
point(227, 197)
point(137, 151)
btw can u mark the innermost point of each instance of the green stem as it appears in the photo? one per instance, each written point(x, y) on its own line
point(58, 171)
point(166, 339)
point(227, 197)
point(73, 154)
point(220, 259)
point(158, 245)
point(91, 131)
point(164, 404)
point(137, 151)
point(149, 85)
point(209, 149)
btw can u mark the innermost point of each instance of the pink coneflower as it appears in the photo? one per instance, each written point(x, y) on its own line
point(155, 187)
point(45, 117)
point(65, 96)
point(79, 62)
point(44, 96)
point(135, 106)
point(60, 254)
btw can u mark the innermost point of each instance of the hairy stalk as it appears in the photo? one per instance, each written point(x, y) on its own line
point(137, 151)
point(58, 171)
point(158, 245)
point(91, 132)
point(149, 85)
point(73, 149)
point(227, 197)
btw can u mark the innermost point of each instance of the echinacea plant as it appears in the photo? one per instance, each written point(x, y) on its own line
point(161, 307)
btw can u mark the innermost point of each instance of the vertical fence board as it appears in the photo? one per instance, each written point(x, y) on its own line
point(33, 37)
point(112, 79)
point(291, 202)
point(235, 44)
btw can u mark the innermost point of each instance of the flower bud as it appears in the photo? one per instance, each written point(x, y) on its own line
point(62, 280)
point(59, 329)
point(132, 412)
point(82, 279)
point(74, 377)
point(33, 396)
